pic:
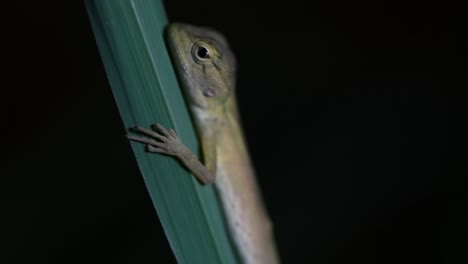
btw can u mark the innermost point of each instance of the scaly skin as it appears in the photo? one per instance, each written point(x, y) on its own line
point(206, 70)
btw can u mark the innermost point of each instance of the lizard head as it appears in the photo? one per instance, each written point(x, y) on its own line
point(205, 65)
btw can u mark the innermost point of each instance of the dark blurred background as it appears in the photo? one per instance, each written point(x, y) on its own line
point(353, 111)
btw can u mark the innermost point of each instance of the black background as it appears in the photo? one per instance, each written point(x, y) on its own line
point(353, 112)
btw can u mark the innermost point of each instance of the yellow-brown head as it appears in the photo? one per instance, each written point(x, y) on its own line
point(205, 65)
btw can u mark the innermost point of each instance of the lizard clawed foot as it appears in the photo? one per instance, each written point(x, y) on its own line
point(168, 141)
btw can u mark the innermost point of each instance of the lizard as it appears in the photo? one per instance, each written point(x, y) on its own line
point(206, 69)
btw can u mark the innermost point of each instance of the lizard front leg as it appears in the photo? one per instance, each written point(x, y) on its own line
point(166, 141)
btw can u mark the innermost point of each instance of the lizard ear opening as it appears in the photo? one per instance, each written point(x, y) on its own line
point(208, 92)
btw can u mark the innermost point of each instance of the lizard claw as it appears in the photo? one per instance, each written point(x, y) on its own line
point(168, 141)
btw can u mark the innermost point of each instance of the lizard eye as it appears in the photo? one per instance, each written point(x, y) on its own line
point(201, 52)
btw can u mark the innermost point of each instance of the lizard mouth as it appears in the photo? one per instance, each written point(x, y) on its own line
point(176, 38)
point(180, 42)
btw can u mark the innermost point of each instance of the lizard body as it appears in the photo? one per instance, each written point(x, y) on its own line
point(206, 70)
